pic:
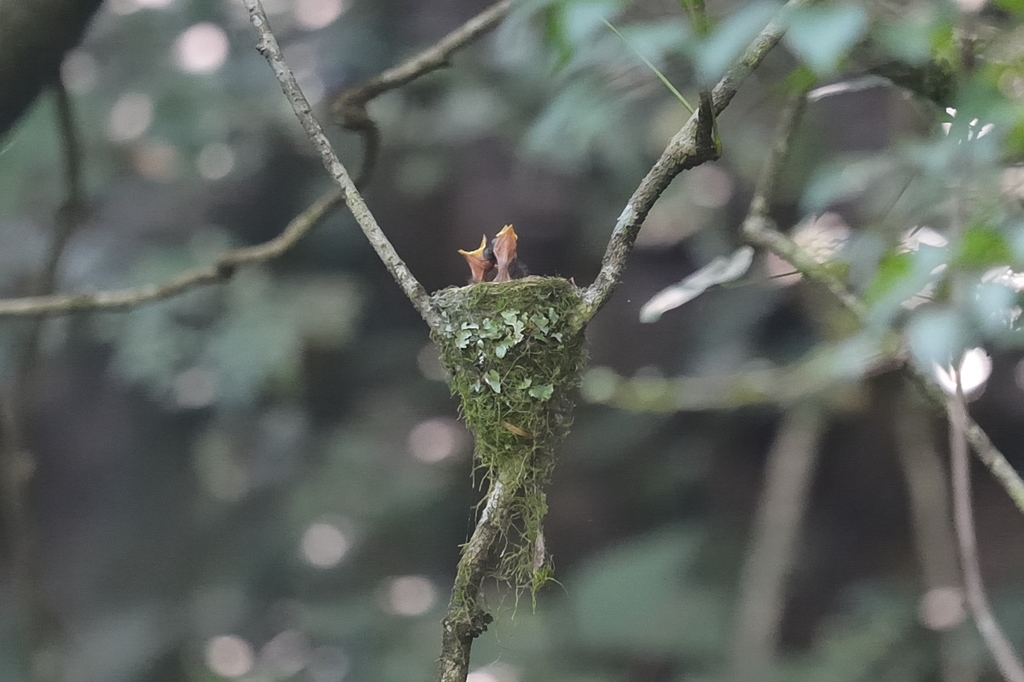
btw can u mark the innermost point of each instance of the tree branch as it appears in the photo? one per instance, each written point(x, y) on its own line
point(755, 385)
point(465, 620)
point(690, 147)
point(929, 501)
point(348, 108)
point(267, 46)
point(963, 519)
point(38, 622)
point(120, 299)
point(788, 475)
point(759, 230)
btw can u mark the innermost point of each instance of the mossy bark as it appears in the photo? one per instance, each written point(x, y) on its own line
point(515, 352)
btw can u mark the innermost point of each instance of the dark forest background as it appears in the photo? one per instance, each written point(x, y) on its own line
point(267, 479)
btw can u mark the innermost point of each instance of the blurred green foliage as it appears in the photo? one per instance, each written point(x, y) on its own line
point(267, 478)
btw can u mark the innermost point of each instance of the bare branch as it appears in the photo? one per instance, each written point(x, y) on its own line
point(758, 227)
point(747, 386)
point(690, 147)
point(268, 47)
point(120, 299)
point(929, 501)
point(963, 519)
point(776, 531)
point(349, 106)
point(39, 626)
point(459, 627)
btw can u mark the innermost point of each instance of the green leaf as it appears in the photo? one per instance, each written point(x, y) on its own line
point(1014, 6)
point(697, 15)
point(846, 179)
point(984, 246)
point(936, 337)
point(822, 36)
point(801, 78)
point(892, 268)
point(542, 392)
point(731, 38)
point(492, 379)
point(555, 36)
point(641, 598)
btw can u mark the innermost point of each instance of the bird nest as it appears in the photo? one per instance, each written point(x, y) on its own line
point(515, 352)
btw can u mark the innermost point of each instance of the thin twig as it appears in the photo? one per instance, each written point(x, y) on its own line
point(963, 520)
point(759, 228)
point(748, 386)
point(929, 501)
point(131, 297)
point(39, 623)
point(693, 145)
point(348, 107)
point(267, 45)
point(774, 536)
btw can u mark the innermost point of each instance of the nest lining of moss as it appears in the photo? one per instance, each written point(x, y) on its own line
point(515, 352)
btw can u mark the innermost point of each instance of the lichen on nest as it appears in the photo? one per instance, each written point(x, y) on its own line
point(515, 352)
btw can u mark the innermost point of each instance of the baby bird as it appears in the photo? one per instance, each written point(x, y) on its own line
point(499, 257)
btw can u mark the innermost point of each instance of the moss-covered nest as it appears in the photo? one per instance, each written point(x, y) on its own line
point(515, 352)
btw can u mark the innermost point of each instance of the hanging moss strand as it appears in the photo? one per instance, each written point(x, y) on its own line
point(515, 352)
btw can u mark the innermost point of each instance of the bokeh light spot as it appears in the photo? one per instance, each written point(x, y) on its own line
point(435, 440)
point(156, 161)
point(201, 48)
point(195, 388)
point(286, 654)
point(324, 545)
point(600, 384)
point(410, 595)
point(822, 237)
point(327, 664)
point(215, 161)
point(429, 362)
point(130, 117)
point(229, 656)
point(495, 672)
point(975, 369)
point(710, 186)
point(314, 14)
point(942, 608)
point(79, 72)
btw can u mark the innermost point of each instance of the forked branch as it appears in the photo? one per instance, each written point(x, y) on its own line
point(693, 145)
point(349, 106)
point(267, 45)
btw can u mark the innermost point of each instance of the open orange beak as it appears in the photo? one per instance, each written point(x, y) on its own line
point(479, 264)
point(504, 252)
